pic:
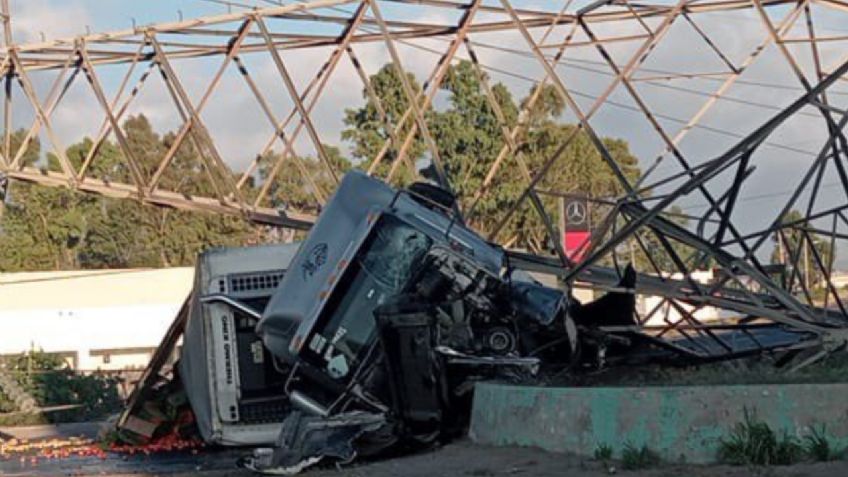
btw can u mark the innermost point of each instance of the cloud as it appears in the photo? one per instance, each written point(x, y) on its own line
point(32, 18)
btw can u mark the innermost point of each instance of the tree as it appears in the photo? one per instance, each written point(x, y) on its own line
point(175, 237)
point(47, 228)
point(649, 253)
point(368, 132)
point(797, 251)
point(291, 187)
point(470, 136)
point(41, 226)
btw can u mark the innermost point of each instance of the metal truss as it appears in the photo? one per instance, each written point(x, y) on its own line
point(622, 44)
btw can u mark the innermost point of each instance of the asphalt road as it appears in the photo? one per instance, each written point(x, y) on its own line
point(464, 459)
point(460, 459)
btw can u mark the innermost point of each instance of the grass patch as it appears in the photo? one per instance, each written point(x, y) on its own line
point(753, 442)
point(635, 458)
point(789, 450)
point(603, 453)
point(818, 447)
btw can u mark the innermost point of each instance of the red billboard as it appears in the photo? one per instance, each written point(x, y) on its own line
point(575, 244)
point(576, 227)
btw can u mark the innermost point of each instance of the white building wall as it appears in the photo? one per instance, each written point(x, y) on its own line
point(85, 329)
point(704, 314)
point(646, 304)
point(839, 280)
point(118, 316)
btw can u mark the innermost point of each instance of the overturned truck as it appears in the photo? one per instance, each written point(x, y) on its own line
point(388, 314)
point(368, 336)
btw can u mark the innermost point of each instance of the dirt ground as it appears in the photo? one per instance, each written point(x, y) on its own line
point(465, 459)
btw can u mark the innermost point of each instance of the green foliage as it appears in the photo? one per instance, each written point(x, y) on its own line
point(53, 228)
point(794, 245)
point(603, 452)
point(291, 183)
point(817, 445)
point(789, 450)
point(49, 380)
point(367, 131)
point(753, 442)
point(633, 458)
point(470, 138)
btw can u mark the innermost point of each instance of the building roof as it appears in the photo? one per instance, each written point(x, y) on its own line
point(94, 288)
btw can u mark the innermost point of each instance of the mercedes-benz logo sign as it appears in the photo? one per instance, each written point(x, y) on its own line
point(576, 213)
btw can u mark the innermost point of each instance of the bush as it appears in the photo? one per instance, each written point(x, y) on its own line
point(6, 404)
point(753, 442)
point(49, 380)
point(603, 452)
point(789, 450)
point(633, 458)
point(817, 446)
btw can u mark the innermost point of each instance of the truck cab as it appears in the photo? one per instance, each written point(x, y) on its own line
point(375, 248)
point(369, 245)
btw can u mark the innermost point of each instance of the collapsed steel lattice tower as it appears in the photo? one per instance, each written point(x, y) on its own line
point(627, 47)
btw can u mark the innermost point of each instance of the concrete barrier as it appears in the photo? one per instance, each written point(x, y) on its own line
point(682, 423)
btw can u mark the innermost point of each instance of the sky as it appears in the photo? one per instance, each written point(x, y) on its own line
point(238, 124)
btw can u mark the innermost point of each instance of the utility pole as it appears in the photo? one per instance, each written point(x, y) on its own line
point(807, 265)
point(782, 257)
point(562, 222)
point(5, 183)
point(632, 253)
point(4, 189)
point(7, 23)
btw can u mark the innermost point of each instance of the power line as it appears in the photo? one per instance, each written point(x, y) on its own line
point(759, 84)
point(503, 49)
point(753, 20)
point(695, 91)
point(230, 4)
point(759, 197)
point(622, 105)
point(627, 107)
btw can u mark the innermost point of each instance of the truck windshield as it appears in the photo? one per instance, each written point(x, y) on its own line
point(392, 257)
point(382, 268)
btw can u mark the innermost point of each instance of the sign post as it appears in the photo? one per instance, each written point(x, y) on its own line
point(575, 226)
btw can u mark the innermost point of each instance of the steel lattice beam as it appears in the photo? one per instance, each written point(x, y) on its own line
point(624, 38)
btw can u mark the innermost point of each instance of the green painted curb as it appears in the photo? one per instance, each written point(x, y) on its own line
point(682, 423)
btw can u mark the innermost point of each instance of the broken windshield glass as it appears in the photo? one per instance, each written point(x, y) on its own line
point(393, 256)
